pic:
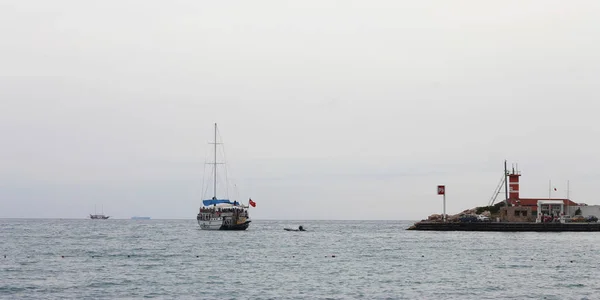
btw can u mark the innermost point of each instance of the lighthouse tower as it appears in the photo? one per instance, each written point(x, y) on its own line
point(513, 184)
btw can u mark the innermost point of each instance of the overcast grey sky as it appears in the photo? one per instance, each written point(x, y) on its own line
point(328, 109)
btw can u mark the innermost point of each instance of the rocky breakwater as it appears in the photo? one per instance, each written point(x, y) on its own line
point(438, 218)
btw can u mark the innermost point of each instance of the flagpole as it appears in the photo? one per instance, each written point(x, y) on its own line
point(550, 190)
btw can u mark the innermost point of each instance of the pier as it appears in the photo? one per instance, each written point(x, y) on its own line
point(505, 226)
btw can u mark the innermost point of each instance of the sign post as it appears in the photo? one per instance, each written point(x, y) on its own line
point(441, 190)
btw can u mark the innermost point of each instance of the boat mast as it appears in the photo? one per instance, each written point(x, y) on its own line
point(215, 167)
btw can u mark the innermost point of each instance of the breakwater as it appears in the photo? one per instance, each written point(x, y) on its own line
point(505, 226)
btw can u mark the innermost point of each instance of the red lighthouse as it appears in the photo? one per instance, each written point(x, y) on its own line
point(513, 184)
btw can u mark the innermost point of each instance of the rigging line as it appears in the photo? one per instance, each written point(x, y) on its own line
point(229, 174)
point(205, 181)
point(219, 177)
point(226, 168)
point(202, 191)
point(208, 182)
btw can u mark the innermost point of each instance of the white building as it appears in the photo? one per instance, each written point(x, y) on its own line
point(554, 208)
point(586, 210)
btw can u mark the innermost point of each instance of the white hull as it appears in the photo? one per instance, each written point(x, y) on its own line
point(210, 224)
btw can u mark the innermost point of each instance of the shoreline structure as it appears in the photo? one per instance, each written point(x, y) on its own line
point(515, 213)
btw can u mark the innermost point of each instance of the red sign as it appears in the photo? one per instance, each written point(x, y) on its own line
point(441, 190)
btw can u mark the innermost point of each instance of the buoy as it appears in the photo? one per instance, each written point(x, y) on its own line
point(62, 256)
point(197, 256)
point(127, 255)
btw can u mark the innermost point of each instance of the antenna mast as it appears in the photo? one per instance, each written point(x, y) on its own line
point(505, 184)
point(568, 199)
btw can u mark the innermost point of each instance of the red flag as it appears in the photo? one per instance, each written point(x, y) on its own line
point(252, 202)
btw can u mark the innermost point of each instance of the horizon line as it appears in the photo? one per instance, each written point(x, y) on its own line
point(167, 219)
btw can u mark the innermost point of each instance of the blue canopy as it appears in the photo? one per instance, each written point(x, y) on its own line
point(218, 201)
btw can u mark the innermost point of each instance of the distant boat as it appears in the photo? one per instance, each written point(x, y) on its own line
point(223, 214)
point(140, 218)
point(100, 216)
point(96, 216)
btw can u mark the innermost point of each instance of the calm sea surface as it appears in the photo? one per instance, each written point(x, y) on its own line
point(173, 259)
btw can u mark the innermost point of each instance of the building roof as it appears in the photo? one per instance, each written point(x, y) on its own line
point(533, 202)
point(551, 202)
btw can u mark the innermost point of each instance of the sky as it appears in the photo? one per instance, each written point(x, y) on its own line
point(345, 110)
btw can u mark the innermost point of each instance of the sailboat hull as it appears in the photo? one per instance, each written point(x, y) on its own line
point(242, 226)
point(210, 225)
point(219, 225)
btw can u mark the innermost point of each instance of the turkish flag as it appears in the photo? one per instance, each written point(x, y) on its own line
point(252, 203)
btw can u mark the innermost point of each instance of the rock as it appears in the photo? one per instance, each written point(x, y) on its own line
point(434, 217)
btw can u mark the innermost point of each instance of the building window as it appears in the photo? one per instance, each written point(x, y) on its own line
point(524, 213)
point(516, 213)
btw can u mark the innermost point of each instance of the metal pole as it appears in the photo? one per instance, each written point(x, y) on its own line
point(444, 204)
point(505, 184)
point(568, 199)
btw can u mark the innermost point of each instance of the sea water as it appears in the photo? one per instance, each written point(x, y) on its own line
point(174, 259)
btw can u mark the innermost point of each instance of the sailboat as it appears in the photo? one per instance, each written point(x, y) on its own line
point(96, 216)
point(223, 214)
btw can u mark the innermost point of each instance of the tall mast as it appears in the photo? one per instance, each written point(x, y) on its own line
point(215, 166)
